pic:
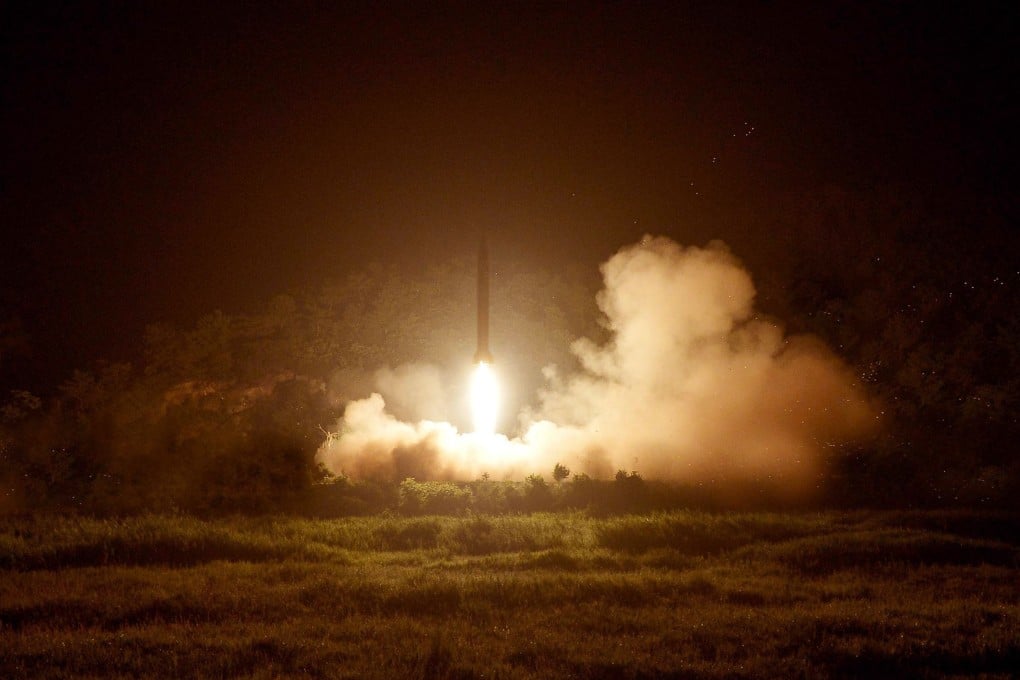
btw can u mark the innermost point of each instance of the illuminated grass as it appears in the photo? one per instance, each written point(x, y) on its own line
point(679, 594)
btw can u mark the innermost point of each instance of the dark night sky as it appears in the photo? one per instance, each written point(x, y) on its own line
point(161, 161)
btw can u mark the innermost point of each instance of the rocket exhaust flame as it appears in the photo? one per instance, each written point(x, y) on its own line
point(484, 398)
point(484, 387)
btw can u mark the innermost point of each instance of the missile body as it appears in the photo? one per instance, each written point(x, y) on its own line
point(482, 355)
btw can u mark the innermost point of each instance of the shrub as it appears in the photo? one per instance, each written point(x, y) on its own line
point(537, 495)
point(433, 498)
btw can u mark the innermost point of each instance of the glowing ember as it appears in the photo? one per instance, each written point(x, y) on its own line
point(484, 398)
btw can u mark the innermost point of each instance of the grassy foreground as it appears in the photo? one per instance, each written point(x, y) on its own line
point(679, 595)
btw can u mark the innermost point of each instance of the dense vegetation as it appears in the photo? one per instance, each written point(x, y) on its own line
point(687, 594)
point(626, 493)
point(227, 416)
point(919, 295)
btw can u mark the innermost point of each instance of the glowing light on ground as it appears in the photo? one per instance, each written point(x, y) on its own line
point(484, 398)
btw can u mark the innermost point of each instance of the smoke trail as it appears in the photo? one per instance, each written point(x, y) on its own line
point(690, 386)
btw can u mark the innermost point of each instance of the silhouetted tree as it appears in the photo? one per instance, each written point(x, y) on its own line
point(923, 303)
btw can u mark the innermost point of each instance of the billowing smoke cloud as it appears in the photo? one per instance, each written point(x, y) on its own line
point(691, 386)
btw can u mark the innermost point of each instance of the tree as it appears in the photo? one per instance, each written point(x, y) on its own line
point(921, 299)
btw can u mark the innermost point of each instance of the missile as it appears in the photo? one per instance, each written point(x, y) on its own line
point(482, 355)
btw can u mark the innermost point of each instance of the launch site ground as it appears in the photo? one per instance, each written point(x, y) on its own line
point(678, 594)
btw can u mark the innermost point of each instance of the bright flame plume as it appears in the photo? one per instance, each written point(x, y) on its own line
point(484, 398)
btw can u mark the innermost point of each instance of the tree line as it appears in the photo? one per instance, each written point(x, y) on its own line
point(226, 415)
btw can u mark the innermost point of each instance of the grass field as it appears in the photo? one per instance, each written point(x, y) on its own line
point(678, 595)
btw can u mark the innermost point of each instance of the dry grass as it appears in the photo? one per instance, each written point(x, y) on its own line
point(689, 595)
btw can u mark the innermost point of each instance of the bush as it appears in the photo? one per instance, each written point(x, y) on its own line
point(537, 494)
point(433, 498)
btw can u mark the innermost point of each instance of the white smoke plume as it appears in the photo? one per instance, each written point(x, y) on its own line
point(691, 386)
